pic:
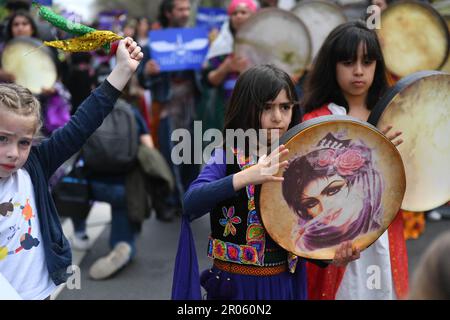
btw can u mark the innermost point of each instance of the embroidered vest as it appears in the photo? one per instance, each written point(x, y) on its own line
point(237, 233)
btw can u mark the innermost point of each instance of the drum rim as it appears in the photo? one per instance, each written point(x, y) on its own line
point(330, 4)
point(38, 45)
point(434, 12)
point(391, 93)
point(292, 15)
point(308, 124)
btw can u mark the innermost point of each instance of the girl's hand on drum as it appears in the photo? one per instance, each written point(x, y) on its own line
point(345, 253)
point(392, 136)
point(263, 171)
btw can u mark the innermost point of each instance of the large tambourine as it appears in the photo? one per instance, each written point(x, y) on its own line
point(31, 63)
point(345, 182)
point(275, 36)
point(413, 37)
point(320, 18)
point(419, 106)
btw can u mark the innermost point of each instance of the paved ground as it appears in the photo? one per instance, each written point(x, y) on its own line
point(150, 275)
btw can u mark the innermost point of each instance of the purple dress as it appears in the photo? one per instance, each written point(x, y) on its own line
point(210, 188)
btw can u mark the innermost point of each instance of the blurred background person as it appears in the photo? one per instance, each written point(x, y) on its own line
point(431, 280)
point(222, 67)
point(175, 96)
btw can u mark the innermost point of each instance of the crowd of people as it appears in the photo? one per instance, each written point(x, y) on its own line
point(88, 87)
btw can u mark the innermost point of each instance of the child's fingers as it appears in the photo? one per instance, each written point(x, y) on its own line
point(386, 130)
point(127, 41)
point(356, 253)
point(349, 250)
point(277, 166)
point(394, 135)
point(276, 179)
point(337, 255)
point(136, 52)
point(132, 46)
point(279, 149)
point(275, 156)
point(397, 142)
point(139, 57)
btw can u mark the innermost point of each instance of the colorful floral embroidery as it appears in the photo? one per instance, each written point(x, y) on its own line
point(228, 221)
point(255, 232)
point(250, 190)
point(227, 251)
point(219, 249)
point(249, 255)
point(253, 218)
point(253, 251)
point(251, 204)
point(233, 252)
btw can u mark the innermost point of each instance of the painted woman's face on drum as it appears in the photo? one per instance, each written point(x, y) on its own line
point(329, 196)
point(21, 27)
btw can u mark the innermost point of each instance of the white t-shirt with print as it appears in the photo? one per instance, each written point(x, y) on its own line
point(22, 257)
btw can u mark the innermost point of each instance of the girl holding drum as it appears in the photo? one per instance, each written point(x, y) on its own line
point(348, 78)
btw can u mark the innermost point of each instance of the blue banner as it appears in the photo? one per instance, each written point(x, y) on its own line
point(113, 20)
point(45, 2)
point(179, 48)
point(211, 18)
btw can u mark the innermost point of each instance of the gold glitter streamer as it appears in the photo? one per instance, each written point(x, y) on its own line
point(88, 42)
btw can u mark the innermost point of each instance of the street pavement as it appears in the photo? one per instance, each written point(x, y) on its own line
point(149, 276)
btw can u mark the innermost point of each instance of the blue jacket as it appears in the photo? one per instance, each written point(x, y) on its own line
point(46, 157)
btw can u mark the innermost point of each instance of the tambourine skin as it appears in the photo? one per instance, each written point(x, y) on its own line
point(31, 63)
point(320, 18)
point(259, 40)
point(345, 182)
point(419, 106)
point(413, 37)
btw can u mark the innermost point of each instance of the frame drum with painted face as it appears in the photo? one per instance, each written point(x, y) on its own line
point(419, 107)
point(275, 36)
point(413, 37)
point(345, 182)
point(31, 63)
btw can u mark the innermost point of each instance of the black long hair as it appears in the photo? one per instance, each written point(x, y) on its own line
point(165, 7)
point(342, 45)
point(253, 89)
point(21, 13)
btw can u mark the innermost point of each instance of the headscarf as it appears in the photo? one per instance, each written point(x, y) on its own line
point(248, 3)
